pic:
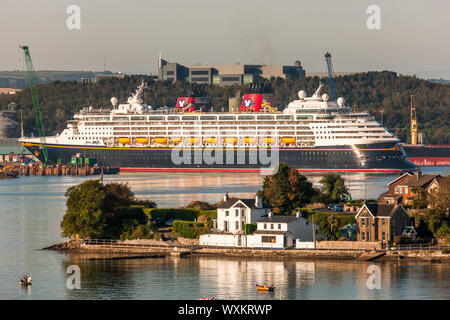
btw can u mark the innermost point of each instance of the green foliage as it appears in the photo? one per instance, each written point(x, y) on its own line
point(209, 213)
point(172, 213)
point(188, 229)
point(97, 210)
point(249, 228)
point(179, 213)
point(444, 230)
point(357, 203)
point(330, 224)
point(140, 231)
point(370, 91)
point(200, 205)
point(286, 190)
point(334, 189)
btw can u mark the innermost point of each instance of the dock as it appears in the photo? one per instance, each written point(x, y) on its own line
point(56, 170)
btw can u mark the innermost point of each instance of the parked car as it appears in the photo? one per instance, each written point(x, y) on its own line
point(335, 207)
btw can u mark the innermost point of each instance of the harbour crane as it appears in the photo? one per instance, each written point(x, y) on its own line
point(330, 76)
point(414, 129)
point(34, 97)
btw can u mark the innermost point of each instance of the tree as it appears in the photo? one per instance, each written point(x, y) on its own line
point(334, 189)
point(286, 190)
point(97, 210)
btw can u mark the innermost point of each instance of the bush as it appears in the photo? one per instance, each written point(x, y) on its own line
point(179, 214)
point(188, 229)
point(249, 228)
point(443, 230)
point(142, 231)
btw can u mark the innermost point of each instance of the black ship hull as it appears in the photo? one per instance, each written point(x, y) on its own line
point(428, 155)
point(383, 157)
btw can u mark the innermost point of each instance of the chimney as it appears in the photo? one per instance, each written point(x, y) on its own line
point(419, 175)
point(226, 197)
point(258, 201)
point(270, 214)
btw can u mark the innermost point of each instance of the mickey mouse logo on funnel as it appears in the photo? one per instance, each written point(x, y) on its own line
point(251, 102)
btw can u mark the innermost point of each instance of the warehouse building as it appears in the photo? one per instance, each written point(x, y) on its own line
point(225, 75)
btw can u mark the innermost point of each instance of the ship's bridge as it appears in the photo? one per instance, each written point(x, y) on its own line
point(316, 103)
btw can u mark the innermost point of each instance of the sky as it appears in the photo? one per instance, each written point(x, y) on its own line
point(127, 36)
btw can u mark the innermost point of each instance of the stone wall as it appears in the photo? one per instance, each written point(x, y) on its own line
point(348, 245)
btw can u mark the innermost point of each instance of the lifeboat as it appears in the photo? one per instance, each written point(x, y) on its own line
point(250, 140)
point(141, 140)
point(160, 140)
point(210, 140)
point(176, 140)
point(267, 140)
point(230, 140)
point(124, 140)
point(194, 140)
point(288, 140)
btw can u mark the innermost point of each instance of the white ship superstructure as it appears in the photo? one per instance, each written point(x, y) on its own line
point(313, 126)
point(306, 122)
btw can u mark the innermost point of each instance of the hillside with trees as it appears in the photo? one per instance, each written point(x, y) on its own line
point(377, 92)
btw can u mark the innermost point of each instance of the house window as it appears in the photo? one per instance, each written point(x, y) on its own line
point(225, 227)
point(236, 211)
point(265, 226)
point(363, 236)
point(363, 221)
point(271, 226)
point(237, 225)
point(243, 212)
point(397, 190)
point(279, 226)
point(383, 223)
point(268, 239)
point(227, 213)
point(383, 236)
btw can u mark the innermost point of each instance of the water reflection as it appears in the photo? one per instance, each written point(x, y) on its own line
point(31, 209)
point(235, 278)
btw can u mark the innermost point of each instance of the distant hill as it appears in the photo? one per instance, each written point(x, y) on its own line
point(371, 91)
point(18, 79)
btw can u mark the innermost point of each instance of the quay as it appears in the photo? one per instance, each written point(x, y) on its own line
point(63, 170)
point(13, 171)
point(139, 249)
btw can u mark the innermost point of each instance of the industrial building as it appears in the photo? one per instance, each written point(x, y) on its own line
point(225, 75)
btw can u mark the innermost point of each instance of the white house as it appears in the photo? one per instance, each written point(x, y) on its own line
point(282, 231)
point(271, 231)
point(232, 214)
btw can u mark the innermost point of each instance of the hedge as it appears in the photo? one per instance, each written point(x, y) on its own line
point(178, 214)
point(249, 228)
point(188, 229)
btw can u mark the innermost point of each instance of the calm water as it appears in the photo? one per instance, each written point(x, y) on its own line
point(32, 207)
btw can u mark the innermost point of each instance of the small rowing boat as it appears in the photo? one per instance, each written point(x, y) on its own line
point(265, 288)
point(25, 281)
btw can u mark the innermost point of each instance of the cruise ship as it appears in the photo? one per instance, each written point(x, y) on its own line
point(310, 134)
